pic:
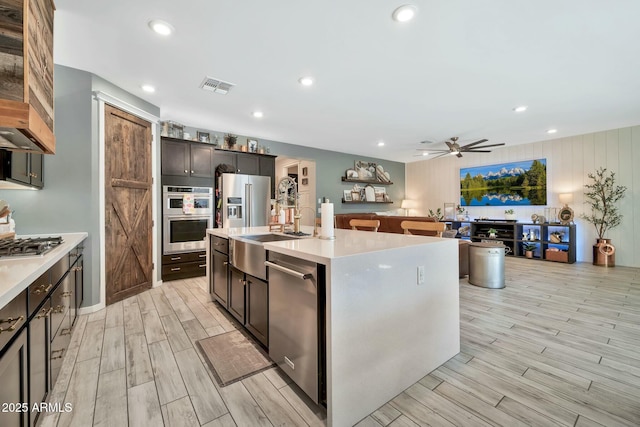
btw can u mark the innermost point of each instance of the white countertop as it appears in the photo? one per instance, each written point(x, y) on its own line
point(346, 244)
point(17, 273)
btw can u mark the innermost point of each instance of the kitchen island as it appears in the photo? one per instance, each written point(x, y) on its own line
point(386, 324)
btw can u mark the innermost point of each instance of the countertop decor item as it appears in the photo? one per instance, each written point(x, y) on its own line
point(509, 215)
point(602, 195)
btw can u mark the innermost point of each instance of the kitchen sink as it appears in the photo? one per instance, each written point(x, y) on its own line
point(268, 237)
point(247, 254)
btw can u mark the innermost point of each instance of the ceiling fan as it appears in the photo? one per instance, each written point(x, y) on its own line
point(455, 148)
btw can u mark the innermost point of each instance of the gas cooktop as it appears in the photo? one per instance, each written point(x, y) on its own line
point(28, 246)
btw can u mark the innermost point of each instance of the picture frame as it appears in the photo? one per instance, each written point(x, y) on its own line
point(380, 194)
point(305, 181)
point(305, 171)
point(203, 137)
point(366, 170)
point(347, 196)
point(252, 145)
point(355, 196)
point(565, 215)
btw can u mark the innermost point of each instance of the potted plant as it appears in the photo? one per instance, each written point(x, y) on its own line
point(461, 214)
point(509, 215)
point(528, 249)
point(437, 214)
point(492, 233)
point(602, 194)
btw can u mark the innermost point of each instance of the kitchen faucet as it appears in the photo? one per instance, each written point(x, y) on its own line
point(298, 216)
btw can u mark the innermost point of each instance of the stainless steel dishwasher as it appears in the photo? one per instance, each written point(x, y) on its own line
point(296, 321)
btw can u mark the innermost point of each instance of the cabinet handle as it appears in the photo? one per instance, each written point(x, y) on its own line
point(45, 312)
point(175, 258)
point(61, 351)
point(202, 265)
point(66, 294)
point(35, 175)
point(225, 263)
point(41, 289)
point(15, 320)
point(59, 309)
point(191, 171)
point(202, 255)
point(175, 269)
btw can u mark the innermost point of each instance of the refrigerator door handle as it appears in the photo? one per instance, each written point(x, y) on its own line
point(248, 205)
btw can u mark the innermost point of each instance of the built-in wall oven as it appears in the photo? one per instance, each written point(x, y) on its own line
point(187, 213)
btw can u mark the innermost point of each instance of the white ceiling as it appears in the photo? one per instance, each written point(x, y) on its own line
point(458, 69)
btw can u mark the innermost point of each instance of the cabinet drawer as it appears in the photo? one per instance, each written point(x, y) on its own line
point(61, 301)
point(220, 244)
point(59, 269)
point(38, 291)
point(13, 317)
point(183, 257)
point(186, 267)
point(59, 346)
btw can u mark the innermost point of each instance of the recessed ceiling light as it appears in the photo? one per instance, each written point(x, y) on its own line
point(258, 114)
point(550, 131)
point(381, 144)
point(306, 81)
point(520, 109)
point(404, 13)
point(161, 27)
point(148, 88)
point(425, 154)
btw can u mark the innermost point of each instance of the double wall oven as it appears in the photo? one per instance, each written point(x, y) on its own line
point(187, 213)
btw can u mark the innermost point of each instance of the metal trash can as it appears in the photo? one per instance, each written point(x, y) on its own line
point(486, 264)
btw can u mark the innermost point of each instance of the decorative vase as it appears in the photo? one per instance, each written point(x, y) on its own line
point(604, 253)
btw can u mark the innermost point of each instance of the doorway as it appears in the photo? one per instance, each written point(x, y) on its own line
point(304, 173)
point(128, 225)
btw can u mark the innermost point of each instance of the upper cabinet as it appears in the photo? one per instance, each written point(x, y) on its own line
point(26, 75)
point(188, 159)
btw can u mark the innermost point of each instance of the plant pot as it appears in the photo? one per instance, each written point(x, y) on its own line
point(528, 254)
point(510, 217)
point(604, 253)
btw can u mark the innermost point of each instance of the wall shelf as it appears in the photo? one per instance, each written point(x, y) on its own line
point(365, 181)
point(362, 203)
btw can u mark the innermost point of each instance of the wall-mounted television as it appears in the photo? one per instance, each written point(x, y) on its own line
point(521, 183)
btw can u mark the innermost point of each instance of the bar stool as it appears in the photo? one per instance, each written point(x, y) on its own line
point(368, 224)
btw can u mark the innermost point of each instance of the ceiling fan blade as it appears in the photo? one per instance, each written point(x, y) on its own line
point(459, 154)
point(485, 146)
point(474, 143)
point(440, 155)
point(478, 151)
point(433, 151)
point(450, 145)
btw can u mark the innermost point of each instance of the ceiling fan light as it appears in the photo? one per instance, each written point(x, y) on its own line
point(161, 27)
point(425, 154)
point(306, 81)
point(552, 131)
point(404, 13)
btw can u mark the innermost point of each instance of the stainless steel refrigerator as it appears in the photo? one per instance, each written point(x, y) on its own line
point(246, 200)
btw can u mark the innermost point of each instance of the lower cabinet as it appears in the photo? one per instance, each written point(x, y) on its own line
point(13, 381)
point(36, 332)
point(237, 294)
point(257, 313)
point(220, 277)
point(184, 265)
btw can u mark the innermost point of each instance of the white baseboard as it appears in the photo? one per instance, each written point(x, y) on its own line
point(91, 308)
point(157, 284)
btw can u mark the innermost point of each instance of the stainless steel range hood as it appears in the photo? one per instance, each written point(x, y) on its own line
point(22, 129)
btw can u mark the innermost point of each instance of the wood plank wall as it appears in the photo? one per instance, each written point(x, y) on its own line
point(431, 183)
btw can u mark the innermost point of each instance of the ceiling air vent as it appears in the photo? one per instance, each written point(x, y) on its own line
point(216, 85)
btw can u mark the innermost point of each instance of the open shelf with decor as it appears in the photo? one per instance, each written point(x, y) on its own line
point(552, 242)
point(362, 202)
point(366, 181)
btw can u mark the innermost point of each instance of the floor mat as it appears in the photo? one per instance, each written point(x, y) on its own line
point(232, 356)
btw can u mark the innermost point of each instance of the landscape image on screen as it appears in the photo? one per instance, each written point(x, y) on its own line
point(506, 184)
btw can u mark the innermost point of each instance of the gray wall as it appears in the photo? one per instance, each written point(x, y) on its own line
point(330, 168)
point(69, 201)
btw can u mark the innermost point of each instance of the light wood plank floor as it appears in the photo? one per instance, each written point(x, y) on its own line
point(558, 346)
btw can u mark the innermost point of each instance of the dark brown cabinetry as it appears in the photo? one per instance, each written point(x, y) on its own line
point(244, 296)
point(247, 164)
point(257, 312)
point(184, 265)
point(22, 168)
point(219, 274)
point(36, 331)
point(187, 159)
point(237, 295)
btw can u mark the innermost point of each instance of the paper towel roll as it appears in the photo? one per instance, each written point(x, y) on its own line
point(326, 218)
